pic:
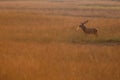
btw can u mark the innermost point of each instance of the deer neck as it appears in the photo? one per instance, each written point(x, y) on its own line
point(83, 28)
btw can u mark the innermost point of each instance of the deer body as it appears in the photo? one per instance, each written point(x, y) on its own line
point(88, 30)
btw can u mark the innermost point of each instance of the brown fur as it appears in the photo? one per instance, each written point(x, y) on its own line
point(88, 30)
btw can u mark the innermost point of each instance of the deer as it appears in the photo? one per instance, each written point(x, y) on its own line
point(87, 30)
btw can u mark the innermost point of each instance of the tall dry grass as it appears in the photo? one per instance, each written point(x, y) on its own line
point(33, 61)
point(44, 47)
point(30, 27)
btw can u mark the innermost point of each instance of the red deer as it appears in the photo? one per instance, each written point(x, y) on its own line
point(87, 30)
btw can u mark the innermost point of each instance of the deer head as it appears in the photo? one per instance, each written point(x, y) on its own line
point(83, 23)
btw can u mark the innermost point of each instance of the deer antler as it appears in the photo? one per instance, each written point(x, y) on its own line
point(85, 22)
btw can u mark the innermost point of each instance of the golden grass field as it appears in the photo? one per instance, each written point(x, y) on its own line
point(38, 44)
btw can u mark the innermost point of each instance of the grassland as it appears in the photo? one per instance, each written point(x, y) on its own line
point(37, 44)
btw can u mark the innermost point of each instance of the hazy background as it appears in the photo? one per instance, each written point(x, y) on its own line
point(84, 8)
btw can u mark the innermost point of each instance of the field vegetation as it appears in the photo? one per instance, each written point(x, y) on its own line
point(38, 44)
